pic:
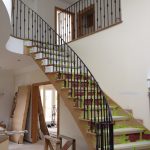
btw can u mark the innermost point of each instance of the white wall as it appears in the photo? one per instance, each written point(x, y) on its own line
point(46, 9)
point(28, 76)
point(119, 58)
point(69, 128)
point(6, 94)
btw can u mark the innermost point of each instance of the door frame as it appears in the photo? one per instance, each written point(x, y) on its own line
point(72, 20)
point(34, 100)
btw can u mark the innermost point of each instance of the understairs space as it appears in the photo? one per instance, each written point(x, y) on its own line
point(26, 146)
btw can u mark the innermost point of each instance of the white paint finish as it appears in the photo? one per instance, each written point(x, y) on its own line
point(31, 3)
point(46, 9)
point(15, 45)
point(69, 128)
point(7, 86)
point(5, 28)
point(29, 75)
point(8, 5)
point(119, 58)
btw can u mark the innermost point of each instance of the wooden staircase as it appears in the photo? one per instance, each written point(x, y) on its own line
point(128, 132)
point(103, 123)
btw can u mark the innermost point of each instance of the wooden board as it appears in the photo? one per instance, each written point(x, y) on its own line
point(34, 124)
point(20, 113)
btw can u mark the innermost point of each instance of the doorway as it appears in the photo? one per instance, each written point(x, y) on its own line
point(64, 24)
point(49, 102)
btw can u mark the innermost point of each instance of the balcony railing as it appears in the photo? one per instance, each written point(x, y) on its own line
point(86, 17)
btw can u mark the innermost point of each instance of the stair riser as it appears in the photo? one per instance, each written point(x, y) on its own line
point(48, 62)
point(50, 56)
point(46, 50)
point(78, 77)
point(85, 94)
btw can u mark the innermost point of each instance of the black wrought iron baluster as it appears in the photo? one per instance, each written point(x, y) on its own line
point(78, 82)
point(35, 28)
point(28, 23)
point(69, 25)
point(42, 45)
point(111, 137)
point(82, 21)
point(115, 5)
point(74, 73)
point(17, 20)
point(107, 124)
point(108, 13)
point(63, 27)
point(111, 12)
point(87, 96)
point(71, 73)
point(84, 88)
point(79, 20)
point(104, 13)
point(85, 18)
point(96, 104)
point(45, 43)
point(32, 27)
point(65, 31)
point(20, 18)
point(13, 16)
point(90, 82)
point(37, 32)
point(76, 19)
point(97, 14)
point(119, 10)
point(87, 22)
point(24, 21)
point(101, 19)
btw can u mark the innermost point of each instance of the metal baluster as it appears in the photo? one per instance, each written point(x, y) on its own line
point(97, 14)
point(115, 11)
point(32, 26)
point(20, 17)
point(24, 21)
point(13, 16)
point(107, 13)
point(111, 12)
point(28, 23)
point(17, 20)
point(104, 13)
point(101, 23)
point(120, 10)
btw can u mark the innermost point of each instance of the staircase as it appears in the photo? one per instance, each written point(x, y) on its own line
point(103, 123)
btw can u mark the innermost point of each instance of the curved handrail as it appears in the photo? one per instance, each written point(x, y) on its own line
point(28, 25)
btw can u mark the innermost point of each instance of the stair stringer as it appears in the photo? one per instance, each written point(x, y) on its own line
point(68, 101)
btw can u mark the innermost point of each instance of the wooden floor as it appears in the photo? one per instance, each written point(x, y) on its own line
point(26, 146)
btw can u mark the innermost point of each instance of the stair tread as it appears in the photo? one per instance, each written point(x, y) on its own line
point(82, 108)
point(115, 118)
point(127, 131)
point(122, 131)
point(130, 146)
